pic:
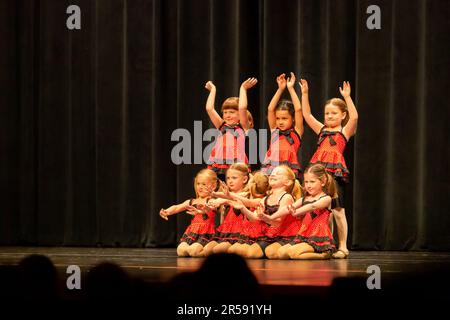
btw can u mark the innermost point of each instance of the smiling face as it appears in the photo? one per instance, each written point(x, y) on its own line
point(236, 180)
point(313, 184)
point(333, 116)
point(202, 186)
point(230, 116)
point(284, 120)
point(277, 178)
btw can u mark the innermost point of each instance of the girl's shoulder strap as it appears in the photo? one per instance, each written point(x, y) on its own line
point(281, 197)
point(221, 126)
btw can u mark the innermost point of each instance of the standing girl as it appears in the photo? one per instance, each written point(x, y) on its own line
point(230, 143)
point(202, 227)
point(286, 125)
point(341, 119)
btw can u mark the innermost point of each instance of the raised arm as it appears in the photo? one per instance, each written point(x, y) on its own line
point(296, 103)
point(165, 213)
point(281, 80)
point(216, 119)
point(350, 128)
point(312, 122)
point(243, 103)
point(319, 204)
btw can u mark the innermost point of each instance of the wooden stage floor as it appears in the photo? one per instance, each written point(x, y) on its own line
point(160, 265)
point(408, 280)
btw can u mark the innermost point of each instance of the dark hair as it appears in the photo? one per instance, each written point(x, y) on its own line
point(286, 105)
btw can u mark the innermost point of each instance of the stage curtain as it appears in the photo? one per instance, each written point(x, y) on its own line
point(87, 115)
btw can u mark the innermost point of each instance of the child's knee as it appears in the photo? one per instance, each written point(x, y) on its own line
point(183, 250)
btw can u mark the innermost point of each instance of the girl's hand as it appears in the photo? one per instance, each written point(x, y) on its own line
point(249, 83)
point(164, 214)
point(281, 80)
point(215, 203)
point(193, 210)
point(304, 86)
point(210, 86)
point(345, 90)
point(225, 188)
point(291, 81)
point(237, 204)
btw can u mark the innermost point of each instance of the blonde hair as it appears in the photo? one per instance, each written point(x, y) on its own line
point(338, 102)
point(242, 168)
point(321, 173)
point(258, 185)
point(230, 103)
point(294, 187)
point(210, 175)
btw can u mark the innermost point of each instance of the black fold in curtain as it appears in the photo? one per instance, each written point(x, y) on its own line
point(87, 115)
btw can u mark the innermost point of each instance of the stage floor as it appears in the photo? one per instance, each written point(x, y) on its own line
point(161, 265)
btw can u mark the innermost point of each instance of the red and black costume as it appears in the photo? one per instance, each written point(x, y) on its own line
point(330, 150)
point(284, 146)
point(231, 227)
point(201, 229)
point(315, 229)
point(229, 148)
point(283, 233)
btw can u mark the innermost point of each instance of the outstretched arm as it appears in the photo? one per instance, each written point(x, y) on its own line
point(276, 219)
point(243, 103)
point(216, 119)
point(281, 80)
point(312, 122)
point(285, 210)
point(297, 105)
point(350, 128)
point(251, 215)
point(319, 204)
point(165, 213)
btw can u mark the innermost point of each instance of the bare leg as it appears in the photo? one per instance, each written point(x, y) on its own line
point(272, 250)
point(235, 248)
point(208, 249)
point(222, 247)
point(196, 250)
point(183, 250)
point(243, 249)
point(342, 228)
point(314, 256)
point(295, 251)
point(254, 251)
point(283, 252)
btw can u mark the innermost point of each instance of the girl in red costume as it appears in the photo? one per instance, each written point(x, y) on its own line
point(314, 239)
point(340, 122)
point(202, 227)
point(232, 125)
point(286, 125)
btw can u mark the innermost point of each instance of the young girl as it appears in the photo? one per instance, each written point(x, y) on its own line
point(237, 177)
point(269, 236)
point(341, 119)
point(202, 227)
point(230, 144)
point(315, 239)
point(286, 125)
point(252, 230)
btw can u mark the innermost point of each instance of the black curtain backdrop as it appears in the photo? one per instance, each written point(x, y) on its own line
point(87, 115)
